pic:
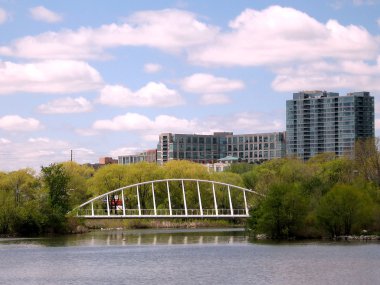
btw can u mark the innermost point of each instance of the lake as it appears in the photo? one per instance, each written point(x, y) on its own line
point(193, 256)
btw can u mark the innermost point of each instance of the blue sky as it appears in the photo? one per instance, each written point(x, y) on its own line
point(104, 78)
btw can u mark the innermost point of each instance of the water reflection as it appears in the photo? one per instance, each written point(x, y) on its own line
point(168, 237)
point(138, 237)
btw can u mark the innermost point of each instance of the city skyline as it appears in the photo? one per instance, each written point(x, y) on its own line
point(105, 79)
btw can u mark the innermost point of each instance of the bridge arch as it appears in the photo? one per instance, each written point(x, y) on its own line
point(192, 200)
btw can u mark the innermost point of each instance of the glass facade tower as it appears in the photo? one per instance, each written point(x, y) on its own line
point(211, 148)
point(320, 121)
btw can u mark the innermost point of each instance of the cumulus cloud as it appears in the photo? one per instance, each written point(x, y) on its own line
point(278, 35)
point(152, 94)
point(66, 105)
point(149, 129)
point(51, 76)
point(208, 83)
point(354, 75)
point(19, 124)
point(40, 151)
point(3, 16)
point(152, 67)
point(4, 141)
point(211, 87)
point(171, 30)
point(140, 123)
point(40, 13)
point(214, 99)
point(124, 151)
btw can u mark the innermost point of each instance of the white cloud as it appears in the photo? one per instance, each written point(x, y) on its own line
point(364, 2)
point(139, 123)
point(354, 75)
point(247, 122)
point(170, 30)
point(152, 94)
point(4, 141)
point(213, 99)
point(279, 35)
point(152, 67)
point(149, 129)
point(39, 140)
point(378, 22)
point(66, 105)
point(3, 16)
point(208, 83)
point(124, 151)
point(17, 123)
point(51, 76)
point(40, 13)
point(41, 151)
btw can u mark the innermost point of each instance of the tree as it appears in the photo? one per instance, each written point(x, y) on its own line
point(186, 169)
point(367, 159)
point(23, 184)
point(56, 181)
point(240, 167)
point(281, 213)
point(343, 209)
point(79, 176)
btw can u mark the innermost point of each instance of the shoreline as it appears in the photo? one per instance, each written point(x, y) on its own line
point(162, 224)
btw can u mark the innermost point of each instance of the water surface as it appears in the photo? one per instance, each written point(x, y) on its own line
point(218, 256)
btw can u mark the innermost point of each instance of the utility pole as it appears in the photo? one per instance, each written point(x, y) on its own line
point(71, 155)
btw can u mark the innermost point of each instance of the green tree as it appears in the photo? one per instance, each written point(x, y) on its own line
point(344, 210)
point(240, 167)
point(79, 176)
point(186, 169)
point(56, 181)
point(281, 213)
point(18, 191)
point(367, 157)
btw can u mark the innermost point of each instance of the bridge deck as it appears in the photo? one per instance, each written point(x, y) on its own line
point(163, 216)
point(162, 213)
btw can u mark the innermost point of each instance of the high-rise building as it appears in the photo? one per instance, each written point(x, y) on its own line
point(211, 148)
point(320, 121)
point(193, 147)
point(256, 148)
point(149, 155)
point(130, 158)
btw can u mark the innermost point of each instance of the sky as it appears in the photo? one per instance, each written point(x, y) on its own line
point(105, 78)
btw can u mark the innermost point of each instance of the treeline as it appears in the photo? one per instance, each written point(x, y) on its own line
point(325, 196)
point(32, 204)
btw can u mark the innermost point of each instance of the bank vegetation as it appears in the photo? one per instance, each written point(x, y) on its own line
point(323, 197)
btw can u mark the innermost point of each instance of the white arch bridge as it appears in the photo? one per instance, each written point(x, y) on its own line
point(171, 198)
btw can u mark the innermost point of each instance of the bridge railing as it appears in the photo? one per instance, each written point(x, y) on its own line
point(161, 212)
point(198, 198)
